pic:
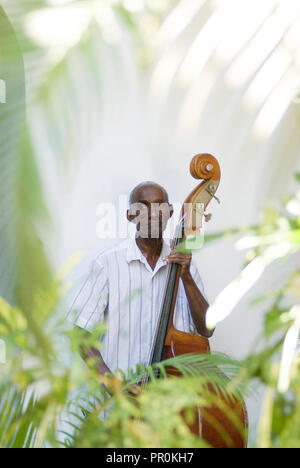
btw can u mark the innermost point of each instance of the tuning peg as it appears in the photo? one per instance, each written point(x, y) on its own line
point(208, 217)
point(211, 189)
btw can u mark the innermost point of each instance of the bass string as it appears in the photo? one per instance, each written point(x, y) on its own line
point(145, 379)
point(176, 241)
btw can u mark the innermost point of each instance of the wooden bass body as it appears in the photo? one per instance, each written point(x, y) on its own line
point(225, 427)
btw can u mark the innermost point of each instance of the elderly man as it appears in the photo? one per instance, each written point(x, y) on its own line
point(125, 287)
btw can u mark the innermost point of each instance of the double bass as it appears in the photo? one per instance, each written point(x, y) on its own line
point(170, 342)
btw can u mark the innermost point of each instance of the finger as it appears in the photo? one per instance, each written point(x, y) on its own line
point(176, 252)
point(179, 260)
point(180, 256)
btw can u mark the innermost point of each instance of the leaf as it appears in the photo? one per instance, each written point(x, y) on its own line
point(17, 428)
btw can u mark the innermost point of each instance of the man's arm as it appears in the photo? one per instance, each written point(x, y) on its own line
point(198, 304)
point(94, 359)
point(93, 355)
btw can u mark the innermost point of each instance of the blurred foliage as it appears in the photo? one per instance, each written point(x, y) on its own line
point(44, 386)
point(277, 365)
point(43, 372)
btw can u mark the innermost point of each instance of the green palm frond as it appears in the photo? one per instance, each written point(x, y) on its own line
point(216, 370)
point(12, 118)
point(24, 266)
point(203, 383)
point(60, 99)
point(17, 429)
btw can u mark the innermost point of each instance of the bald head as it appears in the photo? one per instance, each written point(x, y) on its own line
point(146, 188)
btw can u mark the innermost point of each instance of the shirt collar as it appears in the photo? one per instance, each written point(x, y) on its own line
point(134, 253)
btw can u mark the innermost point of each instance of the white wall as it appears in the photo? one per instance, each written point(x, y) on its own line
point(213, 86)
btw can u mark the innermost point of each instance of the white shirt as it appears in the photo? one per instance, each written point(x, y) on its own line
point(122, 289)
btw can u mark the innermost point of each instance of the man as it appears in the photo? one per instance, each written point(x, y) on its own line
point(125, 288)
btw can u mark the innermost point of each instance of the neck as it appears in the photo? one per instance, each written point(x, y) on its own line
point(150, 247)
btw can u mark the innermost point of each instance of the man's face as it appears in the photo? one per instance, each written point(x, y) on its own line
point(150, 211)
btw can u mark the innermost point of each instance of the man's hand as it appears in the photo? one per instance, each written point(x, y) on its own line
point(198, 304)
point(134, 390)
point(184, 260)
point(113, 384)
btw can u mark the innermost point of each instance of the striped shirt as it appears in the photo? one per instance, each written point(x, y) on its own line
point(123, 290)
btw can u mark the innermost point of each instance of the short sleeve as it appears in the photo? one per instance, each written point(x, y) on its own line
point(91, 301)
